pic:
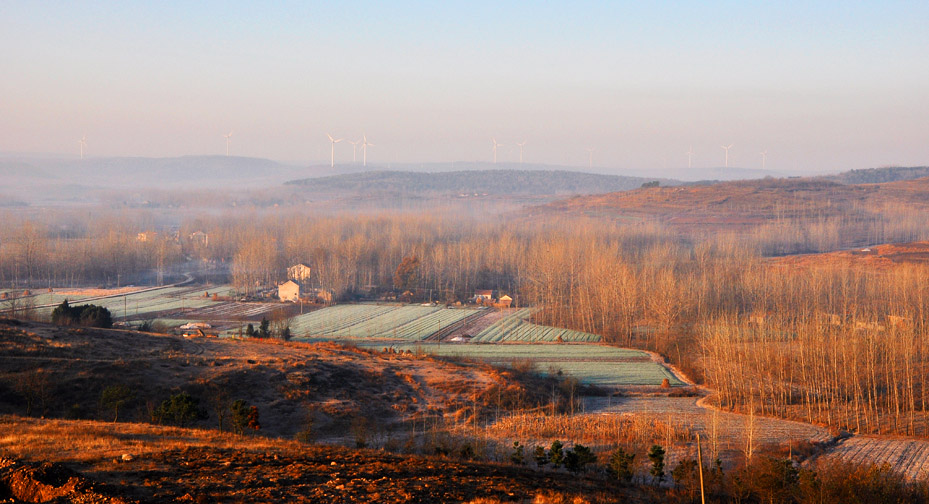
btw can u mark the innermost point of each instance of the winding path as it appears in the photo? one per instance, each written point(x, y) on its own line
point(909, 456)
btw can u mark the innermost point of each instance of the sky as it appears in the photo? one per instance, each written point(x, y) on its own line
point(819, 86)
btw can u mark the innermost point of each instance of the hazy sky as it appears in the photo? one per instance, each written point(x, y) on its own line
point(823, 86)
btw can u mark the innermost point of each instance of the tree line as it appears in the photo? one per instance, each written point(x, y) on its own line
point(832, 343)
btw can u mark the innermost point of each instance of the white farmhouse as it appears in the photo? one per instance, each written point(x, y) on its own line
point(289, 291)
point(299, 273)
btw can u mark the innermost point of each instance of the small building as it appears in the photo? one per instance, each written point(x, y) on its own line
point(146, 236)
point(299, 273)
point(195, 325)
point(200, 237)
point(289, 291)
point(321, 296)
point(505, 301)
point(483, 296)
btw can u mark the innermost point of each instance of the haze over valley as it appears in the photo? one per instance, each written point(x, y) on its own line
point(472, 253)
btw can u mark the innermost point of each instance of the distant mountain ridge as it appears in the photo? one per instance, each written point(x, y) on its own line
point(477, 181)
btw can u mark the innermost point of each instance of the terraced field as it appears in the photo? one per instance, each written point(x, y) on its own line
point(591, 364)
point(514, 327)
point(908, 456)
point(367, 321)
point(416, 323)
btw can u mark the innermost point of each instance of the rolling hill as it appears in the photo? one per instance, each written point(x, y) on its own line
point(748, 202)
point(879, 175)
point(480, 182)
point(817, 211)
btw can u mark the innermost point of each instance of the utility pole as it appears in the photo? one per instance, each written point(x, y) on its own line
point(700, 467)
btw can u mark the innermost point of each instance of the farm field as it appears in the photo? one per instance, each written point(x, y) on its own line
point(514, 327)
point(416, 323)
point(591, 364)
point(908, 456)
point(40, 297)
point(187, 303)
point(368, 321)
point(726, 433)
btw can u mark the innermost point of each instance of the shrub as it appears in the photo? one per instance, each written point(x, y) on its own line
point(244, 416)
point(361, 428)
point(115, 397)
point(518, 455)
point(181, 410)
point(264, 329)
point(556, 454)
point(656, 455)
point(577, 458)
point(685, 474)
point(541, 458)
point(621, 465)
point(86, 315)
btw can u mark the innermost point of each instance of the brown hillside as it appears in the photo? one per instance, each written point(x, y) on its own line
point(874, 257)
point(735, 205)
point(62, 372)
point(146, 463)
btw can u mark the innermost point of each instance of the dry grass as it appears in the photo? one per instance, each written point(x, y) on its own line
point(183, 465)
point(590, 429)
point(283, 379)
point(86, 293)
point(85, 441)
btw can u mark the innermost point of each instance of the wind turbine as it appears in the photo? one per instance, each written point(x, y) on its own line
point(764, 157)
point(364, 149)
point(495, 149)
point(521, 151)
point(354, 144)
point(590, 159)
point(83, 142)
point(690, 155)
point(227, 142)
point(726, 147)
point(332, 142)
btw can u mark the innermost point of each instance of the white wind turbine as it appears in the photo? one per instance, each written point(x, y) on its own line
point(83, 142)
point(726, 147)
point(364, 149)
point(495, 148)
point(690, 155)
point(227, 142)
point(332, 142)
point(764, 157)
point(521, 151)
point(590, 159)
point(354, 144)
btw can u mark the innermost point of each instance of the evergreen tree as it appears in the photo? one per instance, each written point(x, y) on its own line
point(621, 465)
point(656, 455)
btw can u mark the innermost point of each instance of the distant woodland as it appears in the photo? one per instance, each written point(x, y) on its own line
point(880, 175)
